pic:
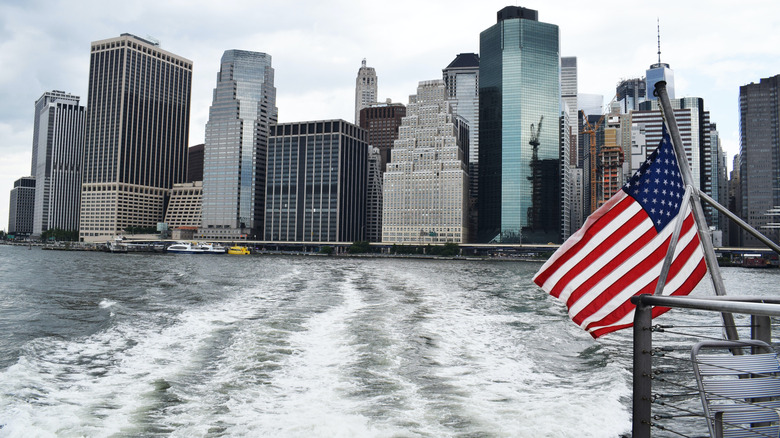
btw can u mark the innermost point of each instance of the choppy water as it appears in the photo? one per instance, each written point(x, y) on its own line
point(96, 344)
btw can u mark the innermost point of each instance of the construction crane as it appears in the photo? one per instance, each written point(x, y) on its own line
point(535, 209)
point(592, 162)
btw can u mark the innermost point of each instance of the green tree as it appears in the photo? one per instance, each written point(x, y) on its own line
point(327, 250)
point(359, 247)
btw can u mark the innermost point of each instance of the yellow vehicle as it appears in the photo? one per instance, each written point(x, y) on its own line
point(238, 250)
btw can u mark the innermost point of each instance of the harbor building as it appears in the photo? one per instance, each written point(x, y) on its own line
point(58, 147)
point(759, 153)
point(366, 86)
point(137, 130)
point(22, 207)
point(425, 190)
point(315, 188)
point(519, 136)
point(240, 116)
point(461, 79)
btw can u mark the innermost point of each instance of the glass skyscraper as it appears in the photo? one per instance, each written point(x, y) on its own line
point(519, 141)
point(243, 107)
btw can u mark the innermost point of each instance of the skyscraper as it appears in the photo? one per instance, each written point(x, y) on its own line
point(365, 89)
point(425, 190)
point(759, 150)
point(519, 136)
point(569, 96)
point(381, 121)
point(137, 130)
point(58, 145)
point(22, 207)
point(657, 72)
point(243, 108)
point(629, 93)
point(374, 196)
point(461, 79)
point(316, 184)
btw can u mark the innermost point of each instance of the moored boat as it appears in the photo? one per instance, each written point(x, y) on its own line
point(212, 248)
point(185, 248)
point(238, 250)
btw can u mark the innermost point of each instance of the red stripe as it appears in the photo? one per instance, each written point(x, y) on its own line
point(637, 271)
point(597, 252)
point(594, 228)
point(613, 264)
point(689, 284)
point(693, 278)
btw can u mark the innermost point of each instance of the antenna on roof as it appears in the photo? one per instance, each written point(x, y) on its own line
point(659, 39)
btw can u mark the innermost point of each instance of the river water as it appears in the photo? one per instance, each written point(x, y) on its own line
point(95, 344)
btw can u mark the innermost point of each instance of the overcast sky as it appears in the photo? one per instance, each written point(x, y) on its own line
point(713, 47)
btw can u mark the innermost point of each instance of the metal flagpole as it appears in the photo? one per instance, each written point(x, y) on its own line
point(659, 287)
point(698, 213)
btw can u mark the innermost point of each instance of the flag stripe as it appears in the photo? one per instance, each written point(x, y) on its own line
point(627, 321)
point(575, 244)
point(637, 271)
point(615, 242)
point(603, 317)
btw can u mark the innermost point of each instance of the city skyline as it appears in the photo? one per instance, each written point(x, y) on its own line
point(318, 48)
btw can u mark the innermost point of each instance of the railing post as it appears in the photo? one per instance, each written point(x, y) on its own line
point(761, 329)
point(643, 371)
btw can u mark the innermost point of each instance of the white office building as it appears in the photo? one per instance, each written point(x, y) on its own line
point(425, 192)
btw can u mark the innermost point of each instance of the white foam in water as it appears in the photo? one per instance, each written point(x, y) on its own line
point(285, 356)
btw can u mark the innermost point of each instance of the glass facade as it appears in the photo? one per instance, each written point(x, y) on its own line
point(519, 152)
point(243, 107)
point(316, 183)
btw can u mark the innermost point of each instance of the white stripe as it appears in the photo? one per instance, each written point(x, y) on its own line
point(594, 243)
point(607, 257)
point(686, 270)
point(638, 284)
point(621, 271)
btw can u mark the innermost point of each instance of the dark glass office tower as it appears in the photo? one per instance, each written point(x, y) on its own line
point(244, 106)
point(316, 183)
point(759, 150)
point(519, 144)
point(137, 130)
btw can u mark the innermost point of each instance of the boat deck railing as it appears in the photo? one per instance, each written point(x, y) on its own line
point(666, 399)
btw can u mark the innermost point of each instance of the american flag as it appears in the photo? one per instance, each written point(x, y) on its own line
point(619, 251)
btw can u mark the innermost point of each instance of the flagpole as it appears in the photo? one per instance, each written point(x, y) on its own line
point(659, 287)
point(698, 213)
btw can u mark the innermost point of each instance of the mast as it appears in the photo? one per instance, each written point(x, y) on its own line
point(710, 258)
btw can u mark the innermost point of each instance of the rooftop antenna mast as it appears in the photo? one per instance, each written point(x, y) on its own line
point(658, 21)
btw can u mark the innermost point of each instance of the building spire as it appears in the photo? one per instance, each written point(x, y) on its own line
point(659, 39)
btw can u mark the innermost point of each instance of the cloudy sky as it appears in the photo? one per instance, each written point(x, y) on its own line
point(713, 47)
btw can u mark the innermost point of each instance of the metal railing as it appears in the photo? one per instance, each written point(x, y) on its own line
point(760, 309)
